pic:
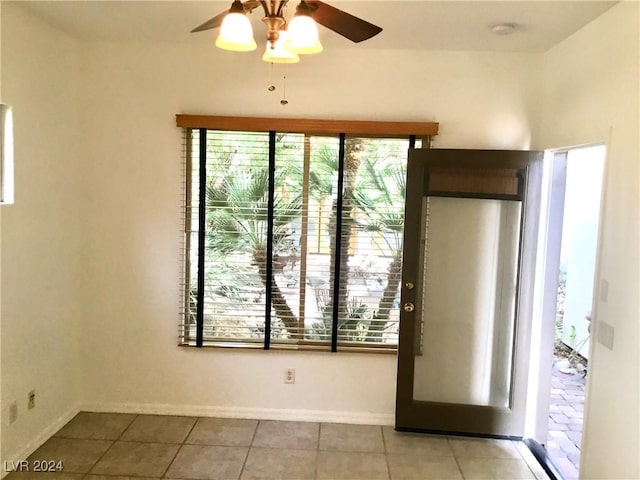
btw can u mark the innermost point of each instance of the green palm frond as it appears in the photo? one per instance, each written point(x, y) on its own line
point(237, 207)
point(223, 235)
point(324, 171)
point(257, 185)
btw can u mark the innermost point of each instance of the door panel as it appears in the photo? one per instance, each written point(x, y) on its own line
point(468, 301)
point(463, 243)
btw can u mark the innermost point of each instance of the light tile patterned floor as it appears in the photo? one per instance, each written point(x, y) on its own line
point(103, 446)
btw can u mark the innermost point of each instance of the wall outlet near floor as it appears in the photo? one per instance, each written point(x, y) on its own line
point(32, 400)
point(13, 411)
point(290, 375)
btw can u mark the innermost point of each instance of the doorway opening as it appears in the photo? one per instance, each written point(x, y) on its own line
point(574, 181)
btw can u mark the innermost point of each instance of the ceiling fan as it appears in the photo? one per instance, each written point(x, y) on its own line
point(285, 39)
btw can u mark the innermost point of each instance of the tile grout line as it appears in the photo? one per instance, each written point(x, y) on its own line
point(179, 448)
point(455, 457)
point(317, 469)
point(255, 434)
point(244, 463)
point(113, 442)
point(246, 457)
point(135, 417)
point(386, 454)
point(184, 442)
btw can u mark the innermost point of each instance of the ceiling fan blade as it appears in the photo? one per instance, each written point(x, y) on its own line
point(343, 23)
point(216, 21)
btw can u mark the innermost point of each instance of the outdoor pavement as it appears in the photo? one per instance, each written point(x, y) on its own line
point(565, 421)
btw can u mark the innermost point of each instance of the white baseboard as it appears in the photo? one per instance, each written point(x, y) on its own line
point(42, 437)
point(361, 418)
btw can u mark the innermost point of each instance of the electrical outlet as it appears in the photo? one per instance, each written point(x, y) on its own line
point(290, 375)
point(32, 400)
point(13, 411)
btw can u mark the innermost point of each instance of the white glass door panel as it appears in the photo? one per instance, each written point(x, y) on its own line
point(468, 301)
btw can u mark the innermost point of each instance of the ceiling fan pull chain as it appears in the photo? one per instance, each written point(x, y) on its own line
point(284, 100)
point(271, 86)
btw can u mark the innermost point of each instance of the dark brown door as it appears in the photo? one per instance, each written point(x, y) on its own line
point(470, 229)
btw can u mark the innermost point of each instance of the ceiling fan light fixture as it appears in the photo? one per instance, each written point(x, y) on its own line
point(279, 53)
point(303, 32)
point(236, 33)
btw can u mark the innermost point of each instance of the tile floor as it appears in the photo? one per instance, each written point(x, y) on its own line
point(103, 446)
point(566, 411)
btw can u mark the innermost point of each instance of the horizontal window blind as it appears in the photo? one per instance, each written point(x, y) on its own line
point(293, 240)
point(372, 233)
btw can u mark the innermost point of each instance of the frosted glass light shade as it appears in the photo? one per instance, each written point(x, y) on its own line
point(303, 35)
point(280, 53)
point(236, 34)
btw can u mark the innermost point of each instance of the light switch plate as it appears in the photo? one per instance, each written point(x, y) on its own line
point(605, 335)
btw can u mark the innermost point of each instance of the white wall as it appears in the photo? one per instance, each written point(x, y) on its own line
point(585, 168)
point(42, 245)
point(591, 95)
point(131, 94)
point(124, 243)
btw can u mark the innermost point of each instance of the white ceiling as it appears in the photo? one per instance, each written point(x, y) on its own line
point(424, 25)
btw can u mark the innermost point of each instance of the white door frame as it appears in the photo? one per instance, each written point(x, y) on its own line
point(546, 285)
point(547, 273)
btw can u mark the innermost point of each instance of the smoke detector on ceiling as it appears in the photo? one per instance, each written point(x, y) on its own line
point(503, 28)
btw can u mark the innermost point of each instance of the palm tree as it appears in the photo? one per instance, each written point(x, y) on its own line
point(322, 178)
point(352, 160)
point(380, 203)
point(373, 201)
point(237, 220)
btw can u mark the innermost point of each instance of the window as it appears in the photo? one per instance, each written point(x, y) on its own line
point(293, 240)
